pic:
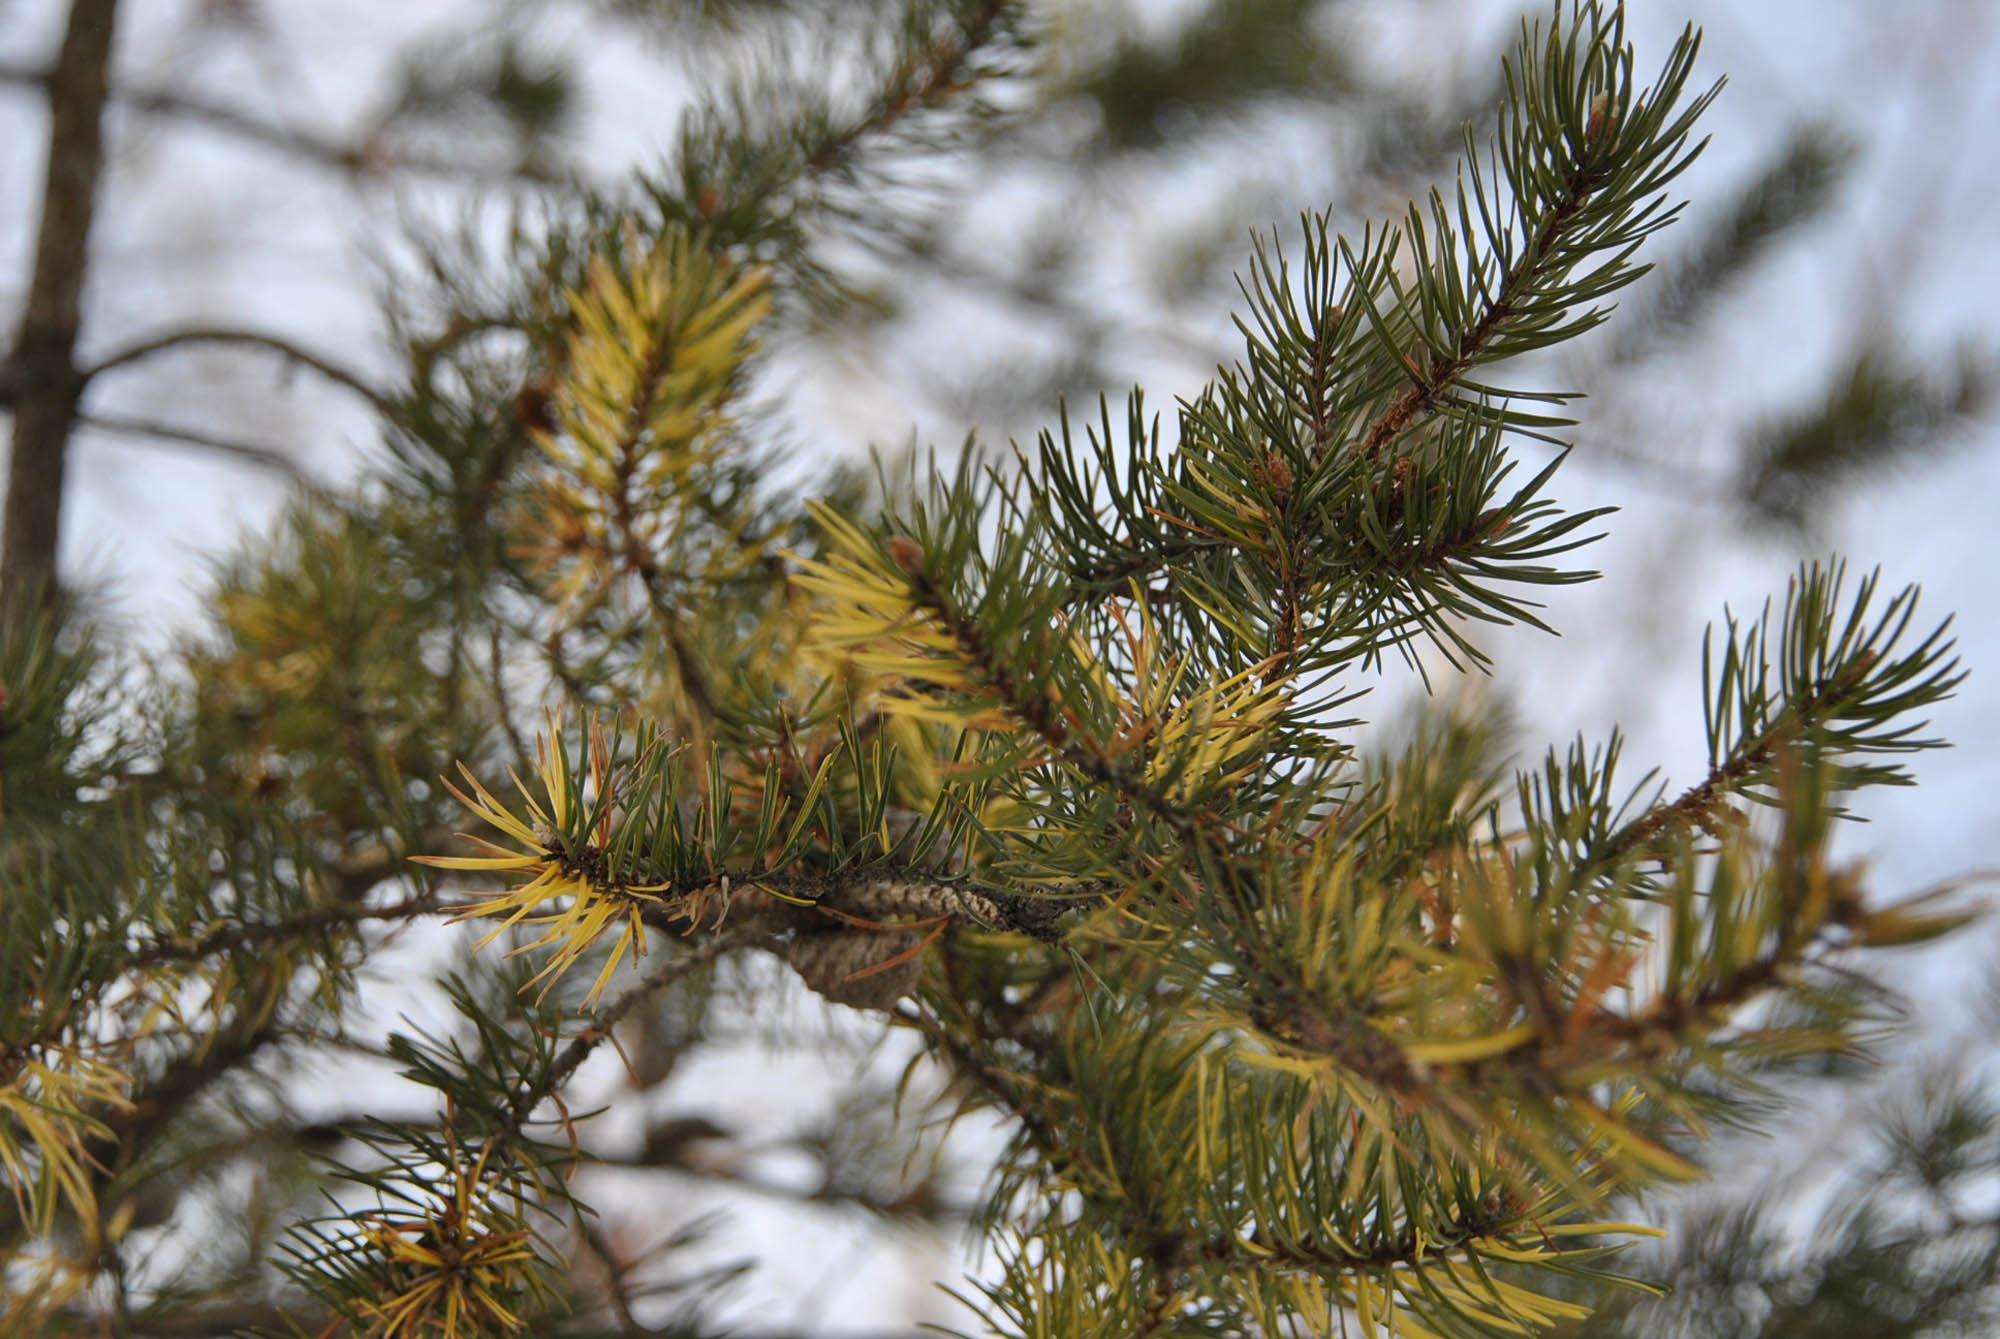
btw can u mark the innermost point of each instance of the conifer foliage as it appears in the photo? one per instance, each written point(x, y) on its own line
point(1044, 758)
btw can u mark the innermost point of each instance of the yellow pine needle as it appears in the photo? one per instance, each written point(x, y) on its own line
point(1470, 1048)
point(1601, 1230)
point(1645, 1152)
point(636, 406)
point(587, 902)
point(1191, 734)
point(869, 616)
point(47, 1105)
point(662, 342)
point(446, 1259)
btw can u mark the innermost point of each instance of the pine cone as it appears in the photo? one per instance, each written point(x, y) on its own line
point(836, 964)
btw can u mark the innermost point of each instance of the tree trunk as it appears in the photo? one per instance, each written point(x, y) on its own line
point(40, 373)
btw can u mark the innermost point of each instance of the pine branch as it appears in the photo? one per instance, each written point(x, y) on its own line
point(1699, 807)
point(248, 934)
point(1580, 152)
point(1336, 1046)
point(1541, 260)
point(756, 166)
point(1117, 574)
point(222, 1320)
point(694, 678)
point(1841, 683)
point(1458, 1237)
point(1666, 1025)
point(1004, 1088)
point(1382, 545)
point(1035, 710)
point(924, 79)
point(532, 1092)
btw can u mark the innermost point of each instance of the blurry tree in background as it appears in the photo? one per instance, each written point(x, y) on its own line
point(951, 790)
point(1906, 1244)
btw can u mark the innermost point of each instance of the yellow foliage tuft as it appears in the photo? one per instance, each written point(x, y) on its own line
point(659, 335)
point(573, 889)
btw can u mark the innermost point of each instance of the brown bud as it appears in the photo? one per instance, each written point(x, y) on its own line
point(1600, 118)
point(1277, 473)
point(531, 406)
point(909, 554)
point(708, 203)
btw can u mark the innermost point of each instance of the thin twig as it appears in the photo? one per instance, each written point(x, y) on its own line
point(932, 75)
point(367, 157)
point(532, 1094)
point(614, 1276)
point(249, 453)
point(205, 334)
point(503, 708)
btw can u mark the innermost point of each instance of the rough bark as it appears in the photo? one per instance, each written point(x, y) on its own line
point(40, 372)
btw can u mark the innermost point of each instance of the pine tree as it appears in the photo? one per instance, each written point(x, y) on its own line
point(1044, 759)
point(1901, 1242)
